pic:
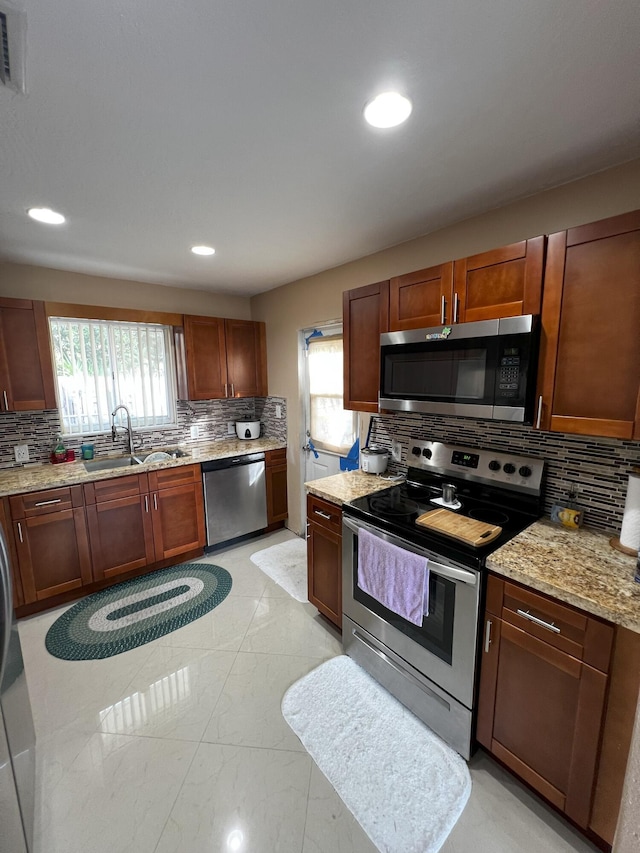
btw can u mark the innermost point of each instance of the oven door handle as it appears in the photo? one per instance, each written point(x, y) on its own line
point(451, 572)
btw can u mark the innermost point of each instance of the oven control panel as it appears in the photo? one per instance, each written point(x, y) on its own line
point(521, 473)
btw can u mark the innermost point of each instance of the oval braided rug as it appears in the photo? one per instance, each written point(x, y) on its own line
point(137, 611)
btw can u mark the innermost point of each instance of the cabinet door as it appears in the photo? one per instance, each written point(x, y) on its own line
point(505, 282)
point(26, 372)
point(178, 520)
point(53, 553)
point(324, 567)
point(276, 479)
point(246, 358)
point(120, 535)
point(540, 713)
point(421, 299)
point(365, 316)
point(205, 349)
point(590, 348)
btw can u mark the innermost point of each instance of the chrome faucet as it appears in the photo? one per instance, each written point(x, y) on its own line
point(115, 428)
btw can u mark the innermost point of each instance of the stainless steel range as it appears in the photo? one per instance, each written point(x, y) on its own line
point(430, 667)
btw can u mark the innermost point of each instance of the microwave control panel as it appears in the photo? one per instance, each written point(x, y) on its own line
point(509, 372)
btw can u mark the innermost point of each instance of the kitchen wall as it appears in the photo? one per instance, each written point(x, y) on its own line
point(22, 281)
point(597, 468)
point(39, 429)
point(318, 298)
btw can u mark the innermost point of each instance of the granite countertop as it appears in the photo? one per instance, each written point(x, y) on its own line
point(578, 567)
point(30, 478)
point(342, 488)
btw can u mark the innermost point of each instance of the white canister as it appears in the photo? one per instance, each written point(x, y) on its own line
point(248, 429)
point(373, 460)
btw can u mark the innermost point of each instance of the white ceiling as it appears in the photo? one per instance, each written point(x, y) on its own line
point(153, 125)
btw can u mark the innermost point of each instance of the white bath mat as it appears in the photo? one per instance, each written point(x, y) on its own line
point(286, 564)
point(404, 786)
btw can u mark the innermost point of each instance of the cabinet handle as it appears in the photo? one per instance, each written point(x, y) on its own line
point(443, 310)
point(48, 503)
point(487, 636)
point(550, 626)
point(539, 418)
point(20, 532)
point(455, 307)
point(146, 503)
point(226, 390)
point(155, 500)
point(233, 390)
point(322, 514)
point(6, 402)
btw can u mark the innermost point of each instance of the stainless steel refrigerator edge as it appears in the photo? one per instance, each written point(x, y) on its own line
point(17, 736)
point(235, 497)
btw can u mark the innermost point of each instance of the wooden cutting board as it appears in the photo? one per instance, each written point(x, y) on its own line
point(467, 530)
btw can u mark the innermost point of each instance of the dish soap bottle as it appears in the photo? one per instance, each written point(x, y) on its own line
point(59, 450)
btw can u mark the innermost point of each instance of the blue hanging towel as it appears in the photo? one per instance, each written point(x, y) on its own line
point(351, 461)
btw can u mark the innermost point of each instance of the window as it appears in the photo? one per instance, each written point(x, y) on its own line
point(101, 363)
point(332, 428)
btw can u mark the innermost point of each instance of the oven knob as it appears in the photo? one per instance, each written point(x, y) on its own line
point(427, 453)
point(525, 471)
point(509, 468)
point(494, 465)
point(415, 451)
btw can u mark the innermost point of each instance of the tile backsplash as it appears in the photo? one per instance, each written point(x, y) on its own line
point(598, 468)
point(39, 429)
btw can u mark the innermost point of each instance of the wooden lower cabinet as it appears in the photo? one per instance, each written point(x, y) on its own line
point(178, 520)
point(121, 535)
point(51, 544)
point(324, 557)
point(540, 707)
point(276, 483)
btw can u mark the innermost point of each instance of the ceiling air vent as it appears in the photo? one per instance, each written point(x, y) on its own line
point(13, 28)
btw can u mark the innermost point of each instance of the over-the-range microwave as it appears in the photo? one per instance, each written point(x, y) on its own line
point(481, 370)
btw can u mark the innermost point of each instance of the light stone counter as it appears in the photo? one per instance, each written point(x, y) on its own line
point(342, 488)
point(578, 567)
point(31, 478)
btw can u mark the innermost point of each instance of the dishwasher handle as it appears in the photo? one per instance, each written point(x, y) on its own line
point(232, 462)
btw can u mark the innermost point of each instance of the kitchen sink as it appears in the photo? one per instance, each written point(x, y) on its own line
point(109, 464)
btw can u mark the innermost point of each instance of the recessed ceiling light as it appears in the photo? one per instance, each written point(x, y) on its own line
point(203, 250)
point(44, 214)
point(388, 110)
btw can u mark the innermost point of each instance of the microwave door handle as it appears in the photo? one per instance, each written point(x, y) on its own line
point(450, 572)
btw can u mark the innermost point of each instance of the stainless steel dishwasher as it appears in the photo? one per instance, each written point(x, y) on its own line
point(235, 497)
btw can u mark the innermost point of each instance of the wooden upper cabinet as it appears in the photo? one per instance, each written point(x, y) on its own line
point(224, 358)
point(589, 376)
point(505, 282)
point(365, 312)
point(26, 371)
point(206, 357)
point(246, 358)
point(421, 299)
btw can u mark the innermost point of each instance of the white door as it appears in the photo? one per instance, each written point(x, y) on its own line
point(329, 430)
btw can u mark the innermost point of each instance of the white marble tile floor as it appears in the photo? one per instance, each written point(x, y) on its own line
point(180, 745)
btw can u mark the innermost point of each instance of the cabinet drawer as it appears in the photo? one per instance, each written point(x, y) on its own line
point(167, 478)
point(49, 500)
point(275, 457)
point(560, 625)
point(325, 514)
point(115, 488)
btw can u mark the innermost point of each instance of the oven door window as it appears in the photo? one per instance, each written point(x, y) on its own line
point(446, 371)
point(436, 633)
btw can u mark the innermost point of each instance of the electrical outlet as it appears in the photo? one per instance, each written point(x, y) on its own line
point(195, 431)
point(278, 410)
point(396, 450)
point(231, 427)
point(21, 452)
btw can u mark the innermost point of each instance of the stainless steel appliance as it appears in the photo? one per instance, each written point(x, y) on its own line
point(481, 370)
point(235, 497)
point(431, 668)
point(17, 736)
